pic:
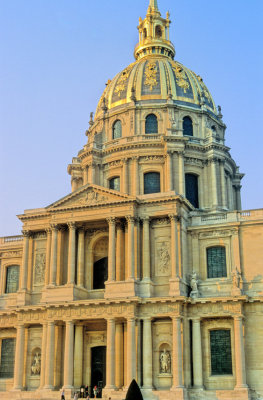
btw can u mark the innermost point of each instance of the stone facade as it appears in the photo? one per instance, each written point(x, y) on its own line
point(121, 280)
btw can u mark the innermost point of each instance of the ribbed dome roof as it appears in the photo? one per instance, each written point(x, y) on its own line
point(154, 79)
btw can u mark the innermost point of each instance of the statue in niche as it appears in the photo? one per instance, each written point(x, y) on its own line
point(165, 362)
point(236, 276)
point(194, 285)
point(36, 364)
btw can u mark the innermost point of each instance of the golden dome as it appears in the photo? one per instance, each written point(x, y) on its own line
point(156, 78)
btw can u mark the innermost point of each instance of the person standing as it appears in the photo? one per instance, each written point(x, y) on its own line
point(62, 395)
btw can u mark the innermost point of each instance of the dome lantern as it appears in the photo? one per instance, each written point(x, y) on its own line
point(154, 34)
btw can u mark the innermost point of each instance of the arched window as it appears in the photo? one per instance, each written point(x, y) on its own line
point(116, 129)
point(151, 124)
point(115, 183)
point(12, 279)
point(187, 126)
point(145, 33)
point(216, 262)
point(158, 31)
point(220, 352)
point(151, 182)
point(213, 128)
point(191, 189)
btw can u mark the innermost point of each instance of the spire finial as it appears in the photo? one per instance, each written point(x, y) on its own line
point(153, 4)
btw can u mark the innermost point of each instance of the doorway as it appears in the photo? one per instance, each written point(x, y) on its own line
point(98, 368)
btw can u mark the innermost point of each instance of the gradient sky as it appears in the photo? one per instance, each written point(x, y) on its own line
point(57, 55)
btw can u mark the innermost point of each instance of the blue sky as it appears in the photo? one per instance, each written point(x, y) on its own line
point(57, 55)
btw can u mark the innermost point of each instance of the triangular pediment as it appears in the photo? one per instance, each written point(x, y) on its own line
point(90, 195)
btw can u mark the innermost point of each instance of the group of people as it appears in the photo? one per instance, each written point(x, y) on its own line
point(84, 393)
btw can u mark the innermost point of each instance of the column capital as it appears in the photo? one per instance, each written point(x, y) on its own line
point(48, 230)
point(238, 317)
point(81, 229)
point(196, 319)
point(111, 220)
point(177, 317)
point(146, 318)
point(130, 219)
point(173, 217)
point(70, 322)
point(125, 160)
point(26, 233)
point(71, 225)
point(54, 227)
point(145, 219)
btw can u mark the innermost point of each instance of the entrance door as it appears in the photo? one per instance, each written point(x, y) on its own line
point(100, 273)
point(98, 368)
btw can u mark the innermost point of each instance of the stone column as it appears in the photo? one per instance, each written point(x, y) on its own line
point(181, 173)
point(147, 353)
point(238, 197)
point(197, 354)
point(139, 353)
point(169, 171)
point(19, 357)
point(130, 220)
point(85, 175)
point(112, 250)
point(177, 354)
point(239, 353)
point(50, 349)
point(53, 256)
point(223, 183)
point(93, 173)
point(186, 353)
point(110, 358)
point(78, 355)
point(119, 251)
point(71, 253)
point(136, 175)
point(230, 193)
point(214, 182)
point(68, 355)
point(119, 356)
point(174, 247)
point(48, 251)
point(43, 353)
point(146, 249)
point(24, 271)
point(131, 354)
point(81, 259)
point(125, 175)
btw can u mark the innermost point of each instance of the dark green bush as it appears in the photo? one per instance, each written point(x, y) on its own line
point(134, 392)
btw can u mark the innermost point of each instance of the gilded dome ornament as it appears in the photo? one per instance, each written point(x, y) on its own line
point(181, 78)
point(150, 75)
point(122, 81)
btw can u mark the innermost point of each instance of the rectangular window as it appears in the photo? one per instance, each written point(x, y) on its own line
point(7, 358)
point(216, 262)
point(12, 279)
point(220, 349)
